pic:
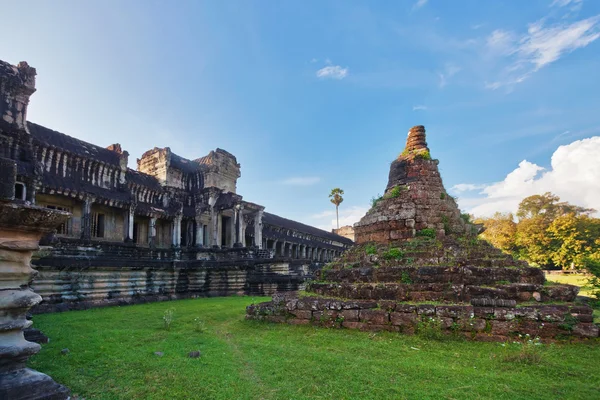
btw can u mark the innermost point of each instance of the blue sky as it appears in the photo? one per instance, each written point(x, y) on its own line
point(311, 95)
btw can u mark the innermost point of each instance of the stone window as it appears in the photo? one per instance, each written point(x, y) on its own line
point(20, 191)
point(64, 228)
point(97, 225)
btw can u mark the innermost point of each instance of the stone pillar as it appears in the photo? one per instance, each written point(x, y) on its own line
point(240, 228)
point(130, 221)
point(303, 251)
point(21, 227)
point(258, 229)
point(86, 219)
point(152, 232)
point(199, 233)
point(178, 230)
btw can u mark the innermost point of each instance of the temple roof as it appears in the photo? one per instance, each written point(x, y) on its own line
point(72, 145)
point(276, 220)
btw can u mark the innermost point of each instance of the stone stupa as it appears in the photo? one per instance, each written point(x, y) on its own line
point(418, 264)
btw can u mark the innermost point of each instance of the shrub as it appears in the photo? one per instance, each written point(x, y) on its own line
point(393, 254)
point(394, 192)
point(524, 350)
point(446, 223)
point(442, 196)
point(168, 318)
point(406, 278)
point(423, 155)
point(427, 232)
point(375, 200)
point(430, 328)
point(370, 249)
point(466, 217)
point(593, 267)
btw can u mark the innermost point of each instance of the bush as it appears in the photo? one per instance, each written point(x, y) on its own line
point(370, 249)
point(430, 328)
point(394, 192)
point(375, 200)
point(427, 232)
point(593, 267)
point(393, 254)
point(423, 155)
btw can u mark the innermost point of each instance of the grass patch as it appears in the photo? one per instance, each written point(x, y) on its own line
point(112, 357)
point(572, 279)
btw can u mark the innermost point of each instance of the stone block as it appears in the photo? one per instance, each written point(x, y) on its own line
point(298, 321)
point(530, 313)
point(302, 314)
point(374, 317)
point(454, 311)
point(403, 319)
point(350, 315)
point(426, 309)
point(586, 330)
point(503, 328)
point(504, 314)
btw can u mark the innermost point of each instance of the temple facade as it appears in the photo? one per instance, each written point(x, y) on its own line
point(167, 202)
point(167, 210)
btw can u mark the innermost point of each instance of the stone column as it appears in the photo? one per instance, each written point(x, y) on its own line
point(152, 232)
point(240, 226)
point(21, 227)
point(178, 230)
point(86, 219)
point(258, 229)
point(199, 233)
point(130, 221)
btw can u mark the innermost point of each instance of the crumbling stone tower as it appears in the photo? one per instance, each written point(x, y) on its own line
point(414, 199)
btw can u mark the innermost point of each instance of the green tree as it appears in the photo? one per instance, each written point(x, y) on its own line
point(574, 240)
point(549, 207)
point(533, 242)
point(500, 231)
point(336, 198)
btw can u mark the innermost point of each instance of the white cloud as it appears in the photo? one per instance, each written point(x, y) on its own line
point(332, 72)
point(563, 3)
point(348, 216)
point(417, 108)
point(574, 176)
point(466, 187)
point(449, 71)
point(301, 180)
point(419, 4)
point(539, 47)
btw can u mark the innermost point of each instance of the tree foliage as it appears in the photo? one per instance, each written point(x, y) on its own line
point(336, 198)
point(549, 233)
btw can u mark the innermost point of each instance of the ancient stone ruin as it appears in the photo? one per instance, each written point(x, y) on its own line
point(172, 228)
point(418, 265)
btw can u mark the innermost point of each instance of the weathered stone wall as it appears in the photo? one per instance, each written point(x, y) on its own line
point(76, 277)
point(478, 323)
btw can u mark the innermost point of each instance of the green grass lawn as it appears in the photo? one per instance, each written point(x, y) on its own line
point(112, 357)
point(572, 279)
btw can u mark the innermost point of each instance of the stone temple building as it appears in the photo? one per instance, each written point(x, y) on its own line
point(169, 209)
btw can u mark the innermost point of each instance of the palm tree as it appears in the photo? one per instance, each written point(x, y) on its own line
point(336, 198)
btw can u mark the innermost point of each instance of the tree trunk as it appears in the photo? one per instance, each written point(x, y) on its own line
point(337, 216)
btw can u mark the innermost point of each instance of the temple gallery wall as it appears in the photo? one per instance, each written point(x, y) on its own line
point(171, 228)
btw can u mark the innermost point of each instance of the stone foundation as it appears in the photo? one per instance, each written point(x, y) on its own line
point(548, 322)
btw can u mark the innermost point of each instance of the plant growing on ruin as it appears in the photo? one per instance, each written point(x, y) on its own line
point(423, 155)
point(336, 198)
point(370, 249)
point(375, 200)
point(430, 328)
point(393, 253)
point(427, 232)
point(406, 278)
point(394, 192)
point(168, 318)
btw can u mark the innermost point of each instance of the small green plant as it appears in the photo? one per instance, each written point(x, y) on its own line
point(569, 323)
point(430, 328)
point(427, 232)
point(370, 249)
point(409, 260)
point(168, 318)
point(199, 325)
point(423, 155)
point(523, 350)
point(466, 217)
point(446, 223)
point(405, 278)
point(442, 196)
point(393, 253)
point(394, 192)
point(375, 200)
